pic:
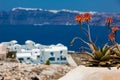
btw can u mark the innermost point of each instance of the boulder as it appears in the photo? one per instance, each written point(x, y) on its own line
point(93, 73)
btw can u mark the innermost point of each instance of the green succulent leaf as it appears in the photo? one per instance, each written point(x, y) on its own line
point(97, 54)
point(104, 47)
point(90, 54)
point(105, 57)
point(116, 52)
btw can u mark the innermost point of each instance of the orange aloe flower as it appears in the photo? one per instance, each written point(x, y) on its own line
point(111, 37)
point(115, 28)
point(79, 18)
point(109, 21)
point(87, 17)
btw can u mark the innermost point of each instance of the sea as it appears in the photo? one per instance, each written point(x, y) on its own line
point(54, 34)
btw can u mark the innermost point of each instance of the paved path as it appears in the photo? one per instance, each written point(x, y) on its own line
point(71, 61)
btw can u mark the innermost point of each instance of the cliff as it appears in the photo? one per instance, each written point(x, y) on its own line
point(34, 16)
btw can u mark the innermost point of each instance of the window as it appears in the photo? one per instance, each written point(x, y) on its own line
point(9, 44)
point(20, 59)
point(58, 59)
point(38, 57)
point(41, 60)
point(28, 58)
point(61, 52)
point(52, 54)
point(27, 49)
point(52, 58)
point(62, 58)
point(33, 44)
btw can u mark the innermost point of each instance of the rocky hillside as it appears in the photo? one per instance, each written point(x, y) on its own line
point(18, 71)
point(34, 16)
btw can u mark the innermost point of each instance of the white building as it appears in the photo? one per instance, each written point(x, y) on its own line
point(29, 56)
point(10, 45)
point(55, 54)
point(31, 52)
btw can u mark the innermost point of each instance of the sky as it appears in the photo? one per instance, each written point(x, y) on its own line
point(81, 5)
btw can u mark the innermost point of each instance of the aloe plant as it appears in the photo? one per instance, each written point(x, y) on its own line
point(105, 56)
point(101, 56)
point(117, 50)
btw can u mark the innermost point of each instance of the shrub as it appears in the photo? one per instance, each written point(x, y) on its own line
point(34, 78)
point(47, 62)
point(67, 64)
point(11, 54)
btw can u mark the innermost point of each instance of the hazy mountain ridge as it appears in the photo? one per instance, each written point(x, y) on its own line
point(34, 16)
